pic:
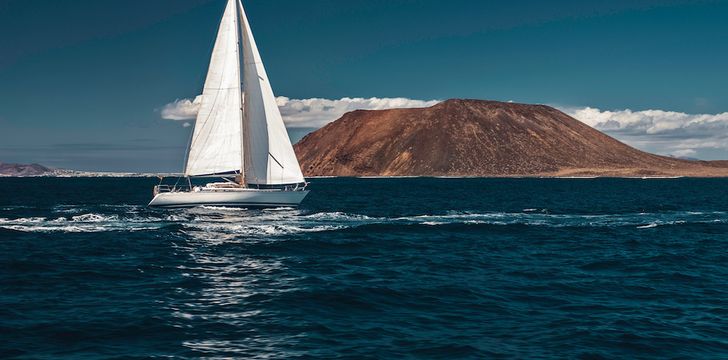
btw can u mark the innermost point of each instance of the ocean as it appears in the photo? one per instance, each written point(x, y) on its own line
point(407, 268)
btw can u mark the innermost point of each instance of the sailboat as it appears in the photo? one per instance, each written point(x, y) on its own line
point(239, 135)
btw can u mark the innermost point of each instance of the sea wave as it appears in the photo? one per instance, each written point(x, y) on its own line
point(207, 221)
point(86, 222)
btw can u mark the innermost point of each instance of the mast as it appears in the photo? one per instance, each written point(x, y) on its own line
point(242, 99)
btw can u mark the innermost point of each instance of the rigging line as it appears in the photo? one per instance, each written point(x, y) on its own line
point(276, 160)
point(187, 152)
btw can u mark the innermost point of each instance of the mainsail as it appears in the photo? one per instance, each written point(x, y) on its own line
point(269, 159)
point(216, 145)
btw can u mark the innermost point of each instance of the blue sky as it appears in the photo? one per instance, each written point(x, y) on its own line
point(83, 83)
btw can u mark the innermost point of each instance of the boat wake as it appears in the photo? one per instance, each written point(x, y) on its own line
point(227, 223)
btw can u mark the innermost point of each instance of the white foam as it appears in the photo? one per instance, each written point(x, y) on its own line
point(234, 223)
point(433, 223)
point(90, 222)
point(260, 228)
point(30, 220)
point(222, 208)
point(338, 216)
point(94, 218)
point(283, 208)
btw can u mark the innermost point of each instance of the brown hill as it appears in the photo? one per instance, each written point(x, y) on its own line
point(10, 169)
point(479, 138)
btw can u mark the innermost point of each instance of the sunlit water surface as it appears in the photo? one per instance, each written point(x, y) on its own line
point(369, 268)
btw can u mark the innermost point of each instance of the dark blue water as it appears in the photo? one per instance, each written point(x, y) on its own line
point(369, 268)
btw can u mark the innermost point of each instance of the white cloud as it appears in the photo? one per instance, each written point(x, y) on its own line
point(684, 153)
point(663, 132)
point(316, 112)
point(184, 109)
point(304, 113)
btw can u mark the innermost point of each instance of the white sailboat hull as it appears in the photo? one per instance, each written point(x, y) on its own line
point(249, 198)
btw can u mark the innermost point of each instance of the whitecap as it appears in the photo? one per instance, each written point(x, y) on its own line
point(94, 218)
point(283, 208)
point(433, 223)
point(230, 223)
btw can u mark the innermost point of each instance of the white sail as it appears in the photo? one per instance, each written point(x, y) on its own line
point(269, 156)
point(216, 145)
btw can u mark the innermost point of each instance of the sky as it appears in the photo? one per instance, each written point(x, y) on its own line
point(109, 85)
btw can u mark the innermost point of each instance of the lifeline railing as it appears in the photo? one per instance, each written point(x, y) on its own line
point(169, 188)
point(182, 188)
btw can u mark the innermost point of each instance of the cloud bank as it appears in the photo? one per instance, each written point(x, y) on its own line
point(304, 113)
point(316, 112)
point(658, 131)
point(663, 132)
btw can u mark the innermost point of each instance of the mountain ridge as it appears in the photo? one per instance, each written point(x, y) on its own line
point(468, 137)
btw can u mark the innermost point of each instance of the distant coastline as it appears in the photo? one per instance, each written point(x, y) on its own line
point(14, 170)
